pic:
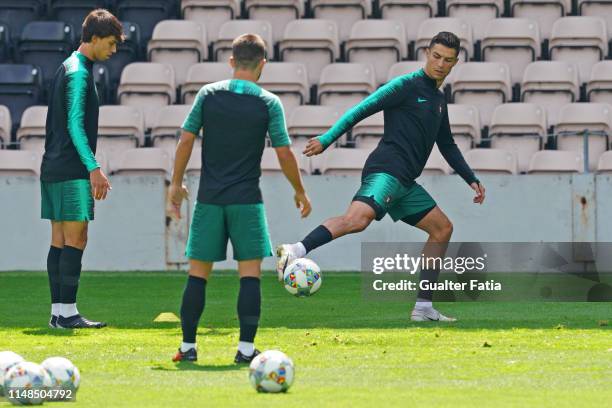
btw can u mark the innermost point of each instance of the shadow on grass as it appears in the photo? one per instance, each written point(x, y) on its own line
point(49, 332)
point(197, 367)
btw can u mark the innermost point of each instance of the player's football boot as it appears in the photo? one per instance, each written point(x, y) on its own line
point(78, 322)
point(53, 322)
point(189, 355)
point(242, 359)
point(429, 314)
point(285, 257)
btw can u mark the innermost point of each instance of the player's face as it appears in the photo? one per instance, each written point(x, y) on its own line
point(440, 61)
point(104, 47)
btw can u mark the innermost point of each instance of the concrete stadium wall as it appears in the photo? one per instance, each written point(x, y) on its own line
point(132, 231)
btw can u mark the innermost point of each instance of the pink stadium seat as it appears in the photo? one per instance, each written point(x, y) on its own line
point(119, 128)
point(19, 163)
point(475, 12)
point(5, 125)
point(605, 163)
point(369, 131)
point(194, 165)
point(202, 74)
point(410, 12)
point(222, 47)
point(429, 28)
point(146, 161)
point(344, 12)
point(32, 129)
point(491, 161)
point(403, 68)
point(555, 162)
point(287, 80)
point(599, 87)
point(167, 128)
point(436, 164)
point(345, 84)
point(310, 121)
point(277, 12)
point(270, 164)
point(342, 161)
point(597, 8)
point(545, 12)
point(211, 13)
point(465, 125)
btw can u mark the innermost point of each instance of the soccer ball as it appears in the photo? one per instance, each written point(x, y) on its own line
point(7, 360)
point(302, 277)
point(28, 381)
point(64, 375)
point(271, 371)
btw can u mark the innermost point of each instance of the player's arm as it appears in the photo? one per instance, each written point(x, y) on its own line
point(76, 96)
point(387, 96)
point(452, 154)
point(277, 129)
point(191, 127)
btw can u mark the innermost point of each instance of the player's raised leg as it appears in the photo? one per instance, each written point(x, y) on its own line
point(356, 219)
point(192, 307)
point(75, 240)
point(249, 309)
point(440, 229)
point(53, 270)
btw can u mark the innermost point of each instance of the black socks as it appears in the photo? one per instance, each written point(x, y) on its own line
point(430, 275)
point(70, 267)
point(249, 308)
point(194, 298)
point(53, 270)
point(317, 237)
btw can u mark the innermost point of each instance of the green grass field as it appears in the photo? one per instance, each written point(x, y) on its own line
point(348, 352)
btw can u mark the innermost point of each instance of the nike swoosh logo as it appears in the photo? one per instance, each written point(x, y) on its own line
point(421, 100)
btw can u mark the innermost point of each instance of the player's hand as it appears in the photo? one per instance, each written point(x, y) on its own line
point(480, 192)
point(313, 147)
point(303, 203)
point(99, 184)
point(176, 194)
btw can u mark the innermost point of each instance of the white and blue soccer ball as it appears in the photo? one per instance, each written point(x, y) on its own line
point(302, 277)
point(64, 376)
point(7, 360)
point(271, 371)
point(26, 383)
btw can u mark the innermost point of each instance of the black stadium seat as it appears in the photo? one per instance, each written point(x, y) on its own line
point(102, 80)
point(20, 87)
point(74, 12)
point(17, 13)
point(127, 52)
point(46, 44)
point(146, 13)
point(5, 47)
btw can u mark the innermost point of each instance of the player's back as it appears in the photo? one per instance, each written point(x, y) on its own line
point(236, 115)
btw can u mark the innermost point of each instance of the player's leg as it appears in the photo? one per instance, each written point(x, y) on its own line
point(53, 270)
point(249, 309)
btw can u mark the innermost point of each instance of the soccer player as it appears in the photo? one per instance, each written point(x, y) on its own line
point(416, 117)
point(235, 114)
point(70, 176)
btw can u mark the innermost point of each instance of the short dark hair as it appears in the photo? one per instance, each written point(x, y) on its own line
point(447, 39)
point(101, 23)
point(248, 50)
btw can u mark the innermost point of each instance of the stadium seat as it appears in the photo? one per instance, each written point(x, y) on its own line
point(520, 128)
point(550, 84)
point(167, 128)
point(344, 12)
point(410, 12)
point(74, 12)
point(31, 132)
point(147, 161)
point(289, 81)
point(477, 13)
point(194, 165)
point(17, 13)
point(180, 44)
point(429, 28)
point(515, 41)
point(103, 85)
point(465, 125)
point(278, 12)
point(46, 44)
point(5, 43)
point(313, 43)
point(597, 8)
point(482, 84)
point(369, 131)
point(102, 160)
point(222, 48)
point(147, 85)
point(119, 128)
point(555, 162)
point(345, 84)
point(404, 68)
point(146, 13)
point(211, 13)
point(342, 161)
point(436, 164)
point(545, 12)
point(605, 162)
point(574, 118)
point(127, 52)
point(579, 40)
point(20, 87)
point(381, 43)
point(202, 74)
point(599, 87)
point(491, 161)
point(310, 121)
point(5, 126)
point(270, 164)
point(19, 163)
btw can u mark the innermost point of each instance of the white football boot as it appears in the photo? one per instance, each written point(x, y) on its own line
point(285, 256)
point(429, 314)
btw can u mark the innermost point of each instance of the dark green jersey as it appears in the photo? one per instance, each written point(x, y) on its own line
point(235, 115)
point(72, 122)
point(416, 117)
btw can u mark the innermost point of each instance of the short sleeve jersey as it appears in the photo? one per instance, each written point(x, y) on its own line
point(235, 116)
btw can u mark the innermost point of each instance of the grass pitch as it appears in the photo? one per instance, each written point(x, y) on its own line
point(348, 352)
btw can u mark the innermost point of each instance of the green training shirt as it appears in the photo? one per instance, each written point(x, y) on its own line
point(72, 122)
point(235, 115)
point(416, 117)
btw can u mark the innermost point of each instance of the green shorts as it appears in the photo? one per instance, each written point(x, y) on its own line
point(385, 194)
point(69, 200)
point(212, 225)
